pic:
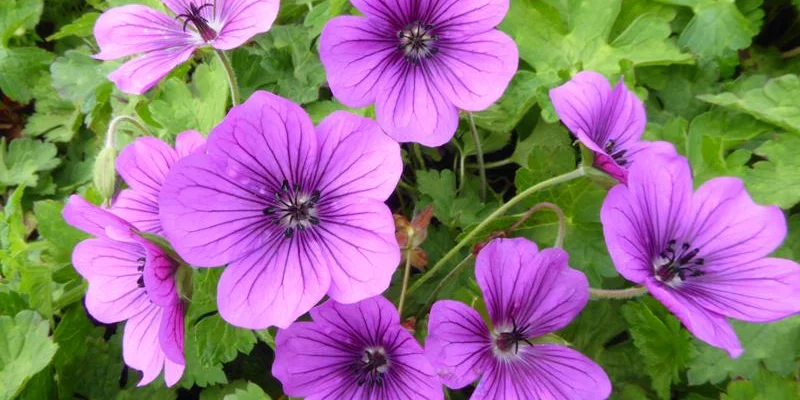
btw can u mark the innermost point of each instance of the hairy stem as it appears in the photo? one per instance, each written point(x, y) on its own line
point(114, 125)
point(619, 294)
point(479, 150)
point(406, 275)
point(562, 220)
point(231, 75)
point(498, 213)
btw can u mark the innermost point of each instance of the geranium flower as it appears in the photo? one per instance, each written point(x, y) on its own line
point(294, 213)
point(353, 351)
point(419, 62)
point(528, 294)
point(130, 280)
point(702, 254)
point(610, 122)
point(166, 42)
point(144, 165)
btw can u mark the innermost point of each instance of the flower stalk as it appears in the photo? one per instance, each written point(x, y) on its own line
point(577, 173)
point(406, 276)
point(562, 221)
point(479, 154)
point(231, 75)
point(617, 294)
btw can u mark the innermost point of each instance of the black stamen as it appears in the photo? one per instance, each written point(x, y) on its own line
point(269, 211)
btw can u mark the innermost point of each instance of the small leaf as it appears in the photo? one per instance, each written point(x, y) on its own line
point(25, 349)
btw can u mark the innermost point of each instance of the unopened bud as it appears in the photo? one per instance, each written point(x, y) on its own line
point(105, 175)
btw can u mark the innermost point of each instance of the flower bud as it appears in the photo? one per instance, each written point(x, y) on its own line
point(105, 175)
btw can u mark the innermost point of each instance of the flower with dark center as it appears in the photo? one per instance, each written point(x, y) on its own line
point(354, 351)
point(165, 42)
point(528, 294)
point(295, 212)
point(702, 253)
point(131, 280)
point(419, 62)
point(609, 121)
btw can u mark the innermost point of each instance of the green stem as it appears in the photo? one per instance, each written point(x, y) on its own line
point(406, 275)
point(620, 294)
point(418, 154)
point(444, 282)
point(226, 63)
point(498, 213)
point(562, 220)
point(114, 125)
point(479, 154)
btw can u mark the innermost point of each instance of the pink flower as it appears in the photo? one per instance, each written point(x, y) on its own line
point(166, 42)
point(420, 61)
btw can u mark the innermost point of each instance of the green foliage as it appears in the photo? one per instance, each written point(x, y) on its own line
point(23, 159)
point(25, 349)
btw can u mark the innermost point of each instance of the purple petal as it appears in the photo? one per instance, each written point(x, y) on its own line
point(243, 19)
point(132, 29)
point(140, 209)
point(356, 55)
point(390, 11)
point(274, 285)
point(171, 333)
point(411, 108)
point(535, 291)
point(140, 346)
point(190, 142)
point(356, 158)
point(356, 239)
point(545, 371)
point(144, 165)
point(112, 269)
point(729, 227)
point(90, 218)
point(474, 71)
point(466, 15)
point(140, 74)
point(639, 220)
point(159, 276)
point(706, 325)
point(458, 344)
point(172, 372)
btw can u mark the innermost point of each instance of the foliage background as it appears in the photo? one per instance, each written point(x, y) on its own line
point(719, 79)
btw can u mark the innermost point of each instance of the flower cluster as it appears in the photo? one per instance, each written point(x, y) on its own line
point(296, 213)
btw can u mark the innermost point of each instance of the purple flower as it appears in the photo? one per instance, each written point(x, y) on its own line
point(702, 254)
point(144, 165)
point(420, 61)
point(353, 351)
point(608, 121)
point(294, 213)
point(166, 42)
point(528, 294)
point(130, 279)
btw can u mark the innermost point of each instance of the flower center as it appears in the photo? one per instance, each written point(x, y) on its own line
point(618, 156)
point(371, 367)
point(200, 23)
point(294, 209)
point(418, 41)
point(140, 282)
point(674, 266)
point(506, 341)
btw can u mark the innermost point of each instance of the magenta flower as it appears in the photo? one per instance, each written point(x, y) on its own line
point(419, 62)
point(130, 279)
point(608, 121)
point(144, 165)
point(166, 42)
point(528, 294)
point(294, 213)
point(353, 351)
point(702, 254)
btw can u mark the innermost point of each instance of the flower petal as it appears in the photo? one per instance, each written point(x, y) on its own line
point(132, 29)
point(411, 108)
point(356, 158)
point(140, 346)
point(396, 13)
point(171, 333)
point(190, 142)
point(145, 163)
point(706, 325)
point(763, 290)
point(466, 15)
point(458, 343)
point(243, 19)
point(90, 218)
point(140, 209)
point(474, 71)
point(356, 56)
point(142, 73)
point(172, 372)
point(112, 269)
point(274, 285)
point(211, 217)
point(545, 371)
point(356, 239)
point(159, 276)
point(537, 292)
point(729, 227)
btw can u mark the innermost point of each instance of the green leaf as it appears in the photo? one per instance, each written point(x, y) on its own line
point(249, 392)
point(82, 80)
point(25, 349)
point(21, 68)
point(454, 211)
point(16, 17)
point(218, 342)
point(523, 92)
point(774, 345)
point(776, 180)
point(665, 346)
point(21, 162)
point(81, 27)
point(773, 101)
point(51, 225)
point(764, 386)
